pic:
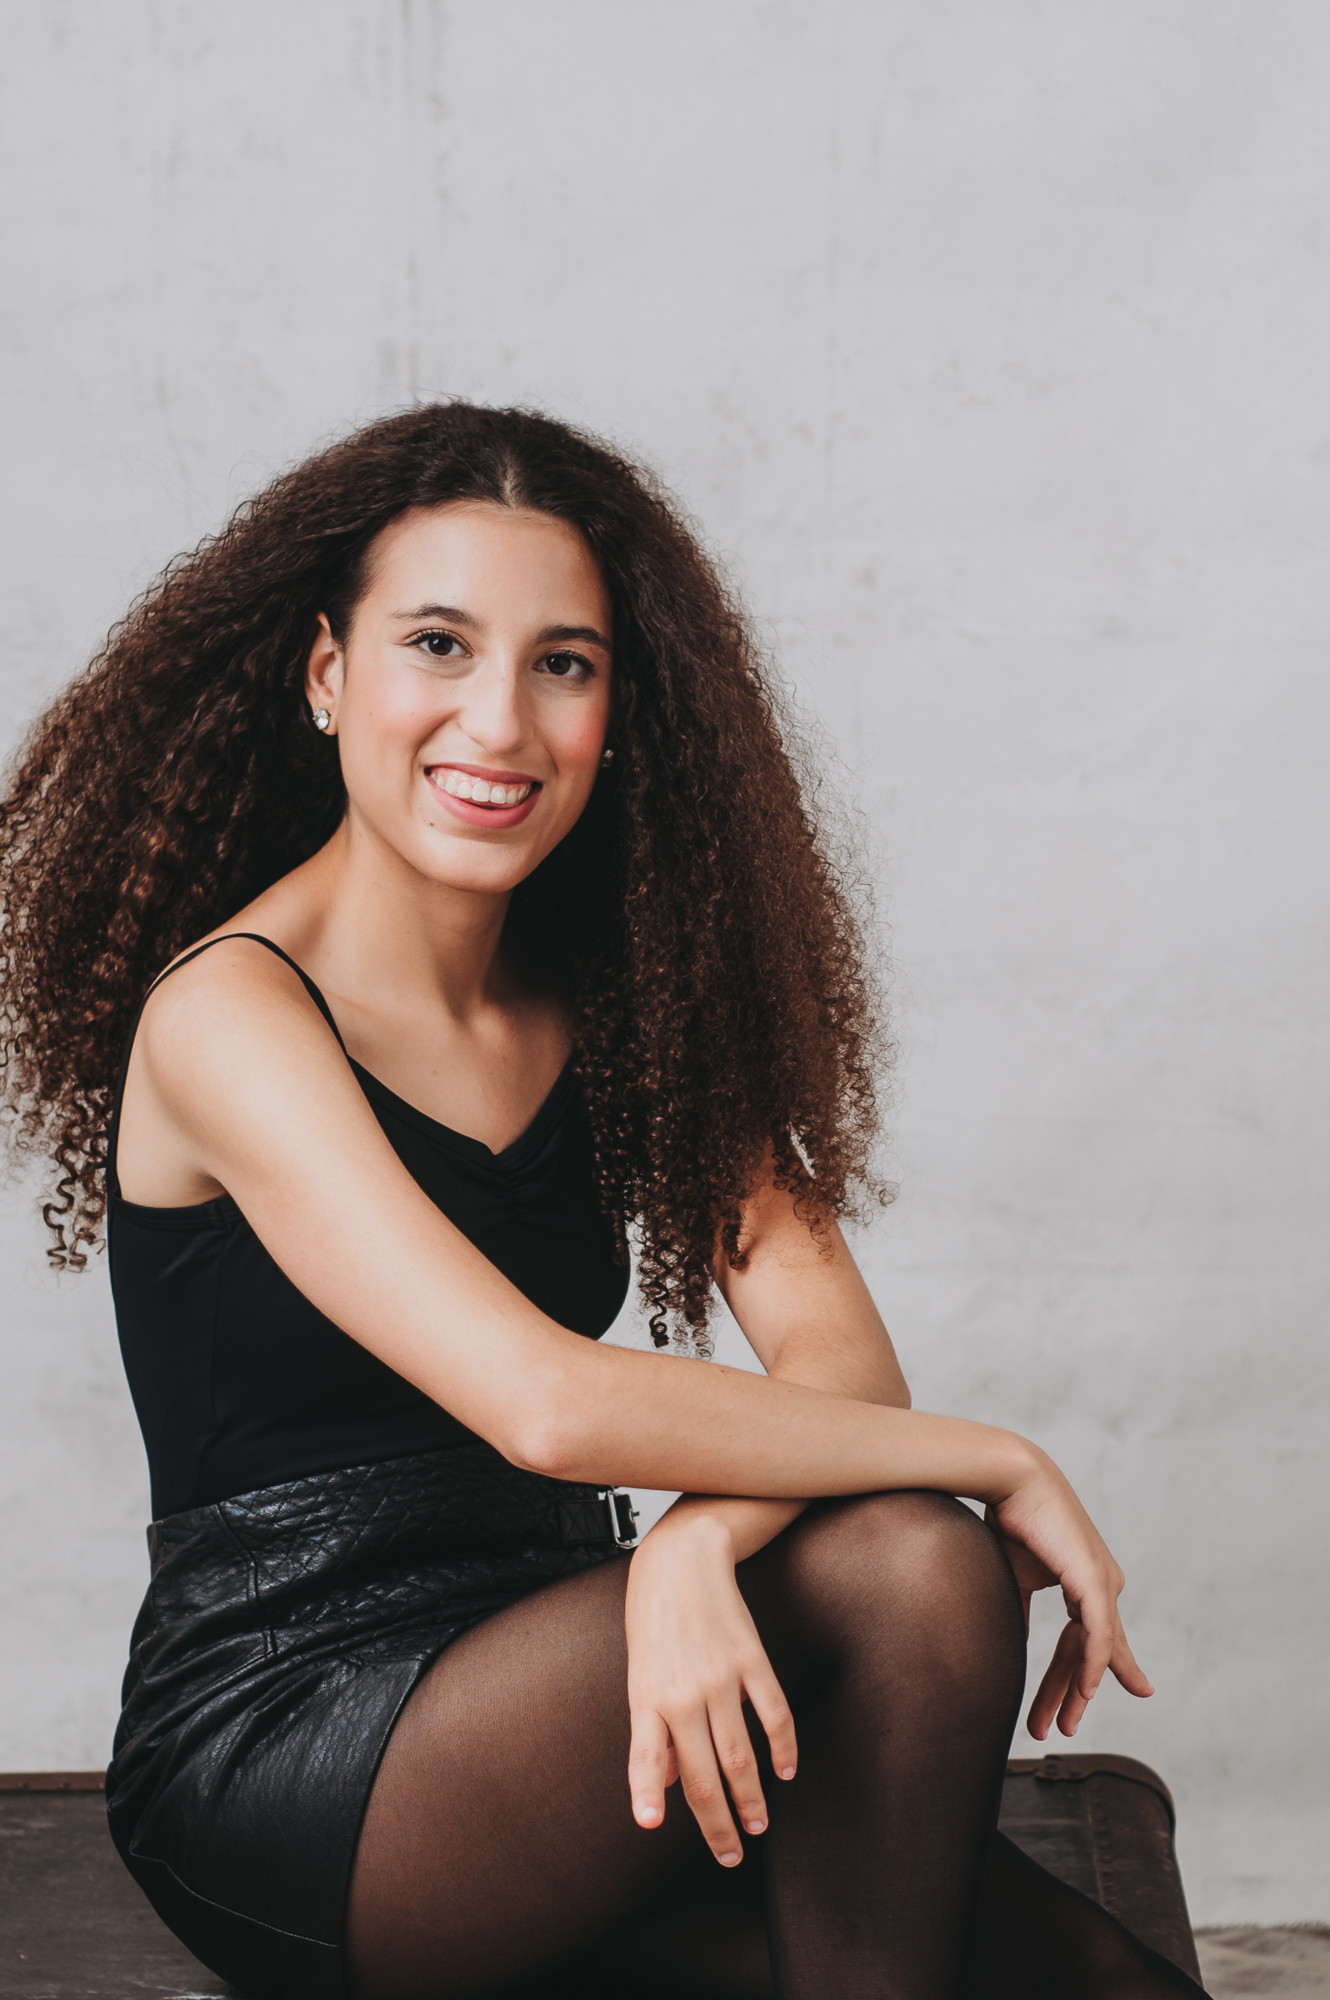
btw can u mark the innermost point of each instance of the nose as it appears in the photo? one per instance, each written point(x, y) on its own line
point(495, 716)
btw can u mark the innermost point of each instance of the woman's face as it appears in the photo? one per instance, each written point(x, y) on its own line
point(472, 696)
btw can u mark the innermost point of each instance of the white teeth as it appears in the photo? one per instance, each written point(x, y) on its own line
point(480, 791)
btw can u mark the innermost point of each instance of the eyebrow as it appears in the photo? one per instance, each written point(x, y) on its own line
point(587, 633)
point(552, 635)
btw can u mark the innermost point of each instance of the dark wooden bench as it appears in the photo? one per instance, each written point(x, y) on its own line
point(73, 1926)
point(1105, 1825)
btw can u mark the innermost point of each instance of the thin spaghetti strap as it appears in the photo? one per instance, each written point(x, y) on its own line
point(253, 937)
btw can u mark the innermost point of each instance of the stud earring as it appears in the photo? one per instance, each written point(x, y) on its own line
point(606, 757)
point(321, 718)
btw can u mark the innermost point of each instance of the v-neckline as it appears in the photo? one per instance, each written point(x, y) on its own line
point(551, 1105)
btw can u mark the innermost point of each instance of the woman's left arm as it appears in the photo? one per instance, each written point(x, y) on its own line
point(694, 1655)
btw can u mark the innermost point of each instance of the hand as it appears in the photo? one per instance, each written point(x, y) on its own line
point(1050, 1539)
point(694, 1657)
point(1029, 1572)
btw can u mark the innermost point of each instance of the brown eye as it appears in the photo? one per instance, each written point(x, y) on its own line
point(567, 666)
point(439, 645)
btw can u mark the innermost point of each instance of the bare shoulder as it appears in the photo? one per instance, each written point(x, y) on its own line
point(232, 1001)
point(214, 979)
point(220, 1040)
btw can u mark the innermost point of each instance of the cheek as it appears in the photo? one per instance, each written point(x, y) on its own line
point(580, 737)
point(382, 718)
point(395, 706)
point(584, 752)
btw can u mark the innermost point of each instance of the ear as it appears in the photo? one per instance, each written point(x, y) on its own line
point(324, 672)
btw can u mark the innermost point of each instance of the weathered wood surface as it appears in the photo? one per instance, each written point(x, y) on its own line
point(74, 1926)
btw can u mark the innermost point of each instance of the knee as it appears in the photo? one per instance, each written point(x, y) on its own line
point(928, 1562)
point(916, 1533)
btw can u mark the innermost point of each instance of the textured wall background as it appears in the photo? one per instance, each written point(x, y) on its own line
point(989, 344)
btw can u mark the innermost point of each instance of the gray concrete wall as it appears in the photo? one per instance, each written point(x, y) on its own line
point(989, 344)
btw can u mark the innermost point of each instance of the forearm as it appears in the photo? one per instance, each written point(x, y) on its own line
point(865, 1369)
point(746, 1525)
point(434, 1308)
point(367, 1247)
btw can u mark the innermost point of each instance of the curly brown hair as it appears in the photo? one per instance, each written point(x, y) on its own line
point(693, 919)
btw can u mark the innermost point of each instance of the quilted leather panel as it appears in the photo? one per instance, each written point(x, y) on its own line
point(281, 1633)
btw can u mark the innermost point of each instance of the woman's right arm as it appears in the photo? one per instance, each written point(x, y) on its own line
point(234, 1055)
point(263, 1104)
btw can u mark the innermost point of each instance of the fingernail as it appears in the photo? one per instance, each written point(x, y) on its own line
point(647, 1815)
point(788, 1772)
point(731, 1860)
point(755, 1825)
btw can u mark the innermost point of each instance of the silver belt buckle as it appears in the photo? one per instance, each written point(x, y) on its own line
point(622, 1513)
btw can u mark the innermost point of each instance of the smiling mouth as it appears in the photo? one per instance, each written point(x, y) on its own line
point(483, 791)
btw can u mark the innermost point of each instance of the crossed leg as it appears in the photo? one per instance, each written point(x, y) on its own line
point(499, 1854)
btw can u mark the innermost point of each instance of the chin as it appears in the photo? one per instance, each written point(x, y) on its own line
point(478, 873)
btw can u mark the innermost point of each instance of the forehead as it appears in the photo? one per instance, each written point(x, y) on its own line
point(502, 557)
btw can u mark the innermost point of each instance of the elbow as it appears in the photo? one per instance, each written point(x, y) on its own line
point(896, 1390)
point(549, 1437)
point(540, 1447)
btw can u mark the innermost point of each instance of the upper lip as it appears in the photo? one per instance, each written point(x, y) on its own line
point(494, 777)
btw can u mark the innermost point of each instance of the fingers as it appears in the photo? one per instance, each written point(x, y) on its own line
point(697, 1749)
point(1049, 1537)
point(1053, 1688)
point(738, 1764)
point(1123, 1666)
point(711, 1751)
point(773, 1712)
point(704, 1788)
point(1100, 1628)
point(1074, 1673)
point(650, 1762)
point(1089, 1640)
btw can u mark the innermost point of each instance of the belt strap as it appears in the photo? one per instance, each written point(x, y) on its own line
point(609, 1517)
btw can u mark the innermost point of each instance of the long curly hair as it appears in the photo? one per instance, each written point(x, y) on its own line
point(694, 921)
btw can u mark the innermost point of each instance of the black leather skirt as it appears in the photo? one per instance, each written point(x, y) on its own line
point(280, 1637)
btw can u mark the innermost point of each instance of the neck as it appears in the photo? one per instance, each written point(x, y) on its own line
point(374, 924)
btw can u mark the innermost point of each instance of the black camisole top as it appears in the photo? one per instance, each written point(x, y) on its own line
point(239, 1382)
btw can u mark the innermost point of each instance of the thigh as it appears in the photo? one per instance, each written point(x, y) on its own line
point(499, 1842)
point(499, 1839)
point(708, 1941)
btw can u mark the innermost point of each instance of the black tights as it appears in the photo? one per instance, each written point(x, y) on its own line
point(499, 1854)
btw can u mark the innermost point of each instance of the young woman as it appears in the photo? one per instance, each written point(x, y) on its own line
point(438, 811)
